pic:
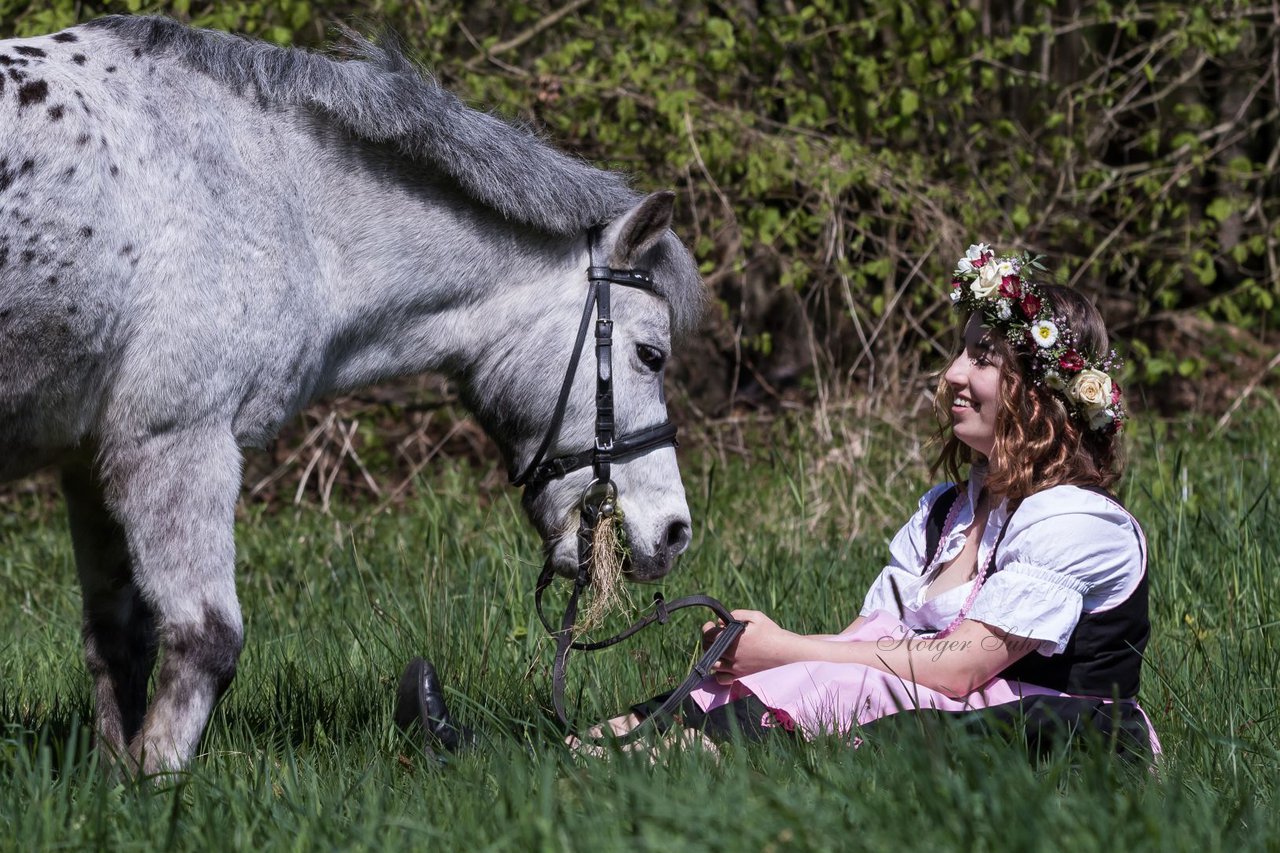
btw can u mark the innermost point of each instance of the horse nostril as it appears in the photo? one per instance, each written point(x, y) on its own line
point(678, 538)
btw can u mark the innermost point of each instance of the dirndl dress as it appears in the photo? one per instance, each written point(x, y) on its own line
point(1067, 569)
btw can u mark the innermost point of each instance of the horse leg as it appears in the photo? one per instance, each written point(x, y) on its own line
point(175, 495)
point(119, 632)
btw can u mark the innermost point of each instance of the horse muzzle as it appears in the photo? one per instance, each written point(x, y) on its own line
point(646, 558)
point(674, 541)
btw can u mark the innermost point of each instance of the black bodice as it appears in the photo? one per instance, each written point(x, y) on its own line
point(1103, 658)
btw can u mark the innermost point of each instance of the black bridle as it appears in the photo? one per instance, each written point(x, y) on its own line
point(608, 447)
point(599, 499)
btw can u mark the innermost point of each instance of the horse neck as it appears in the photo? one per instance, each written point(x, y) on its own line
point(424, 280)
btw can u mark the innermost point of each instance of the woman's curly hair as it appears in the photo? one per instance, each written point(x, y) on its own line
point(1038, 443)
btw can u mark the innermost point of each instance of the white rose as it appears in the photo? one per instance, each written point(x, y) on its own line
point(987, 283)
point(977, 251)
point(1092, 389)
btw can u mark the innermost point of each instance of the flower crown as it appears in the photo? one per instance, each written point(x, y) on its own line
point(1001, 289)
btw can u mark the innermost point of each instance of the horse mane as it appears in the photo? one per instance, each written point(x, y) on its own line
point(382, 96)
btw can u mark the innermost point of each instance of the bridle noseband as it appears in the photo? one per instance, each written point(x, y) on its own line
point(599, 499)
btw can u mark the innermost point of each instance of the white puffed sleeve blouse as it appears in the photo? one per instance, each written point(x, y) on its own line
point(1067, 551)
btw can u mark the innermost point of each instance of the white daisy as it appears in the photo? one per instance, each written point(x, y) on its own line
point(1045, 333)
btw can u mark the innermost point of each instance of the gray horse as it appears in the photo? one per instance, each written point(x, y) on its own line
point(200, 233)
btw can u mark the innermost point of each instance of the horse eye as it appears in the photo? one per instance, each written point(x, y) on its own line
point(651, 357)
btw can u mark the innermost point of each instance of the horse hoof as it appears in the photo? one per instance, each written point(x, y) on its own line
point(420, 702)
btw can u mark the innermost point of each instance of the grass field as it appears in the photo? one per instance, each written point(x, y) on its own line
point(302, 753)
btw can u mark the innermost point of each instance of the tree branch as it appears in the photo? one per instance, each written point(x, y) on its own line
point(542, 24)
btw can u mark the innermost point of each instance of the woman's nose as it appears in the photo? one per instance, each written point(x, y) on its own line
point(955, 374)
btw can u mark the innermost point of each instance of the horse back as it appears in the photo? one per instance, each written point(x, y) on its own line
point(148, 248)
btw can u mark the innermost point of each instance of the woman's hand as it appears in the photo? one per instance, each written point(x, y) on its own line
point(762, 645)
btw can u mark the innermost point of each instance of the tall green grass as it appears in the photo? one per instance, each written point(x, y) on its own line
point(303, 753)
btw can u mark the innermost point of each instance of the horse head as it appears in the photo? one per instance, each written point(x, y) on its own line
point(558, 399)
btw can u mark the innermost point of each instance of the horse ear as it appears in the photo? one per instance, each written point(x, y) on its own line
point(642, 227)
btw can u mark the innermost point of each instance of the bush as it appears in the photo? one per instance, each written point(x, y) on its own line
point(835, 158)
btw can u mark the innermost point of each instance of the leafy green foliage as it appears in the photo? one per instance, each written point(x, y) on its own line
point(834, 158)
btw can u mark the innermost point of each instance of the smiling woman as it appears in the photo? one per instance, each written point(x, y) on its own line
point(1016, 592)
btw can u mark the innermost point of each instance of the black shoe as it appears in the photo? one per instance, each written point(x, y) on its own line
point(420, 700)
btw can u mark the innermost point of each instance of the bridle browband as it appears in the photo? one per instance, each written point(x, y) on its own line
point(599, 498)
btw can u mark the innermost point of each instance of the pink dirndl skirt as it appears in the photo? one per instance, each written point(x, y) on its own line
point(832, 698)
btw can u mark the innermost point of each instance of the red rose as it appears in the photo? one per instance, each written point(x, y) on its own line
point(1115, 392)
point(1010, 287)
point(1030, 305)
point(1072, 361)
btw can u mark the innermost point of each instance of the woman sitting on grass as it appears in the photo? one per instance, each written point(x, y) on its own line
point(1016, 594)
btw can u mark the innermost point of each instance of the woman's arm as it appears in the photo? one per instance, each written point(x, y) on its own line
point(955, 665)
point(853, 626)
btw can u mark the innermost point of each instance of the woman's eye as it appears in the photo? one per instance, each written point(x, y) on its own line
point(981, 358)
point(651, 358)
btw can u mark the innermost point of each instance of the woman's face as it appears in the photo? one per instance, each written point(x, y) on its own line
point(974, 378)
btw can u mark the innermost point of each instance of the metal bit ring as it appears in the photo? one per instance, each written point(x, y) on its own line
point(602, 497)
